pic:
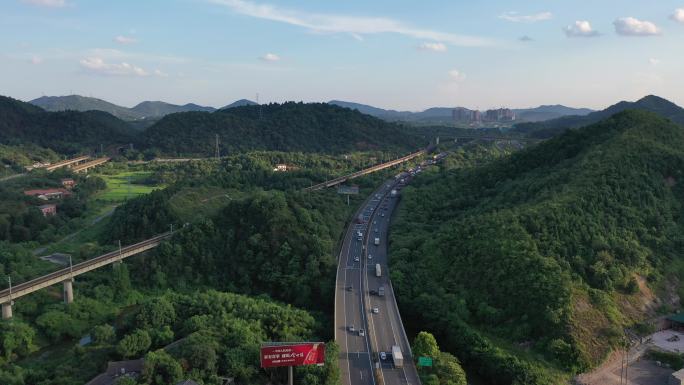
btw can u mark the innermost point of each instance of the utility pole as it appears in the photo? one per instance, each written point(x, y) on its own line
point(217, 152)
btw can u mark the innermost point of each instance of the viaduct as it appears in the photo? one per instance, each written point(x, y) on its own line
point(66, 275)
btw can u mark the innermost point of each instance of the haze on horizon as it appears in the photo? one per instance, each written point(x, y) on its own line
point(390, 54)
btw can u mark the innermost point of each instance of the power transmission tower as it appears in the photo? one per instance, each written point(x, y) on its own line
point(218, 151)
point(257, 100)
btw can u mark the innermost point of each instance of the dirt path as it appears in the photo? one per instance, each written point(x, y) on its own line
point(95, 220)
point(639, 372)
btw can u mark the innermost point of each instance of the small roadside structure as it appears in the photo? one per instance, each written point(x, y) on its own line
point(48, 210)
point(68, 183)
point(117, 370)
point(676, 378)
point(676, 321)
point(48, 194)
point(280, 167)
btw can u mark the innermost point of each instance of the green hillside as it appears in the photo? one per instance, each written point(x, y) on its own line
point(549, 128)
point(66, 131)
point(536, 262)
point(290, 126)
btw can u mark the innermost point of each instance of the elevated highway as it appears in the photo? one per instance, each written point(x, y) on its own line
point(83, 167)
point(377, 167)
point(67, 275)
point(67, 162)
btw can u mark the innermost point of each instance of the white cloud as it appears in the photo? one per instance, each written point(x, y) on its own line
point(353, 25)
point(160, 73)
point(125, 39)
point(653, 61)
point(47, 3)
point(456, 75)
point(678, 15)
point(99, 66)
point(270, 57)
point(435, 47)
point(629, 26)
point(35, 59)
point(518, 18)
point(581, 28)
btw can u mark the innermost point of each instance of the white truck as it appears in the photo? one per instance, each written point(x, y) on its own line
point(377, 242)
point(378, 270)
point(397, 357)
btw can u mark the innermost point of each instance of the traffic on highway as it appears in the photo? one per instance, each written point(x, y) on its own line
point(374, 348)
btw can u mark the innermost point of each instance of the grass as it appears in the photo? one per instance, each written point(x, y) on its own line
point(122, 186)
point(193, 203)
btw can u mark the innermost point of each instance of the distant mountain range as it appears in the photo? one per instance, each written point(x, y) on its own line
point(549, 128)
point(444, 114)
point(146, 110)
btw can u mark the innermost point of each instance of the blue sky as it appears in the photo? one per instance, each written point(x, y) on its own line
point(393, 54)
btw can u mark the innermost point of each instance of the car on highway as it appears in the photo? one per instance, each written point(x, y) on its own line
point(373, 292)
point(383, 356)
point(362, 333)
point(382, 214)
point(349, 288)
point(370, 256)
point(358, 238)
point(356, 259)
point(376, 230)
point(376, 310)
point(351, 328)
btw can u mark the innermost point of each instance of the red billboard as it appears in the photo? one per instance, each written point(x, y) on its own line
point(292, 354)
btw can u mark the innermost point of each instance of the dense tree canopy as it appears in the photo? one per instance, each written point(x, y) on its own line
point(510, 247)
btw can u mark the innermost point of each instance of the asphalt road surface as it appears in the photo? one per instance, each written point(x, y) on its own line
point(356, 279)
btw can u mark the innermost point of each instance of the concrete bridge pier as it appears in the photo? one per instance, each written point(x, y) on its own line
point(7, 310)
point(68, 291)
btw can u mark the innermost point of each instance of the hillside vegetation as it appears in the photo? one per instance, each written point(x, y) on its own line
point(290, 126)
point(65, 132)
point(549, 128)
point(542, 252)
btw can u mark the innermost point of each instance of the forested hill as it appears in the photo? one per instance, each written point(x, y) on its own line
point(549, 128)
point(547, 250)
point(65, 132)
point(290, 126)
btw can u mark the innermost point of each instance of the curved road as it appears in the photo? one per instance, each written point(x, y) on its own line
point(356, 278)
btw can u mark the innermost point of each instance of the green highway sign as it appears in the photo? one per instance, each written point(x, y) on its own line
point(424, 361)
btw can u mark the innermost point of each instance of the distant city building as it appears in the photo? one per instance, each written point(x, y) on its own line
point(48, 194)
point(48, 210)
point(68, 183)
point(500, 115)
point(465, 115)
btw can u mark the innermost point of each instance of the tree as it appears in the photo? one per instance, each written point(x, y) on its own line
point(103, 334)
point(156, 313)
point(161, 369)
point(134, 344)
point(449, 370)
point(16, 337)
point(425, 345)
